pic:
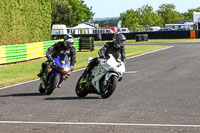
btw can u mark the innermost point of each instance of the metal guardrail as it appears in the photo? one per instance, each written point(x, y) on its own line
point(23, 52)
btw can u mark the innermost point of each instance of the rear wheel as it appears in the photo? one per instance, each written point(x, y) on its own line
point(41, 89)
point(80, 89)
point(108, 90)
point(52, 84)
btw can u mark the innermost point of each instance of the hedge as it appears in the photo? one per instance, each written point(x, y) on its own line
point(24, 21)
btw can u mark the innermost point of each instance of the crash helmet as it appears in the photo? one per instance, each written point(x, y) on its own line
point(119, 40)
point(68, 40)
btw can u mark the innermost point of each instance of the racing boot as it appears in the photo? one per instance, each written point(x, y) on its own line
point(59, 86)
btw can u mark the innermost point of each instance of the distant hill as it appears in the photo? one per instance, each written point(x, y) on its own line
point(103, 19)
point(109, 21)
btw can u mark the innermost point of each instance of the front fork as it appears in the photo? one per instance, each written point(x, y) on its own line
point(107, 77)
point(44, 79)
point(60, 79)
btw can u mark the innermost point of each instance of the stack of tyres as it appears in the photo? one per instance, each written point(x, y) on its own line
point(141, 37)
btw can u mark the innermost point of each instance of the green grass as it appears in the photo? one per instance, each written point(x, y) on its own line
point(20, 72)
point(155, 41)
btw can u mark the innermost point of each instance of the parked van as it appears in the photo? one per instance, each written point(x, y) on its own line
point(59, 29)
point(123, 30)
point(113, 28)
point(103, 31)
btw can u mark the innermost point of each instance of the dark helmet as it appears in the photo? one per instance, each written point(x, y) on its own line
point(119, 40)
point(68, 40)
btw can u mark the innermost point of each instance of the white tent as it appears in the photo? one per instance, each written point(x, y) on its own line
point(83, 29)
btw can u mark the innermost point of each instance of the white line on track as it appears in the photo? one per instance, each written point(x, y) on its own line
point(96, 123)
point(84, 68)
point(131, 72)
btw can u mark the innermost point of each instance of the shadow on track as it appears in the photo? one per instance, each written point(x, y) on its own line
point(71, 98)
point(22, 94)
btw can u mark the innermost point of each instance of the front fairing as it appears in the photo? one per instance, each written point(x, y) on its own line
point(61, 64)
point(112, 65)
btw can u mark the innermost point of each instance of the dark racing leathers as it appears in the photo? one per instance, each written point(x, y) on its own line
point(109, 48)
point(57, 48)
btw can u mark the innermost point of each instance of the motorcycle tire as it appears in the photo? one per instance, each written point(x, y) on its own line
point(109, 91)
point(80, 91)
point(41, 89)
point(52, 84)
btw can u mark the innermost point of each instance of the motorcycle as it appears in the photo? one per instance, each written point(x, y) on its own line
point(102, 79)
point(57, 71)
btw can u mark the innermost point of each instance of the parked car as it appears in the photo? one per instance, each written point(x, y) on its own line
point(113, 28)
point(166, 29)
point(123, 30)
point(103, 31)
point(154, 28)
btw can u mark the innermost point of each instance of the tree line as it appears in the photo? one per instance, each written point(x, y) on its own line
point(146, 16)
point(70, 12)
point(166, 14)
point(21, 21)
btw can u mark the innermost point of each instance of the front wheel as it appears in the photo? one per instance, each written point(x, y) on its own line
point(80, 89)
point(54, 80)
point(108, 90)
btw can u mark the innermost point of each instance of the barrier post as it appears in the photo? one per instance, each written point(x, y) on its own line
point(192, 34)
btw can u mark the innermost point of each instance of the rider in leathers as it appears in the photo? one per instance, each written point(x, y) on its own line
point(65, 46)
point(115, 47)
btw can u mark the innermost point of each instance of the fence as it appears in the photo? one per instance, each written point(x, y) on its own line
point(151, 35)
point(23, 52)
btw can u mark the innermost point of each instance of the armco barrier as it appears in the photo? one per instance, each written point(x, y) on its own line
point(23, 52)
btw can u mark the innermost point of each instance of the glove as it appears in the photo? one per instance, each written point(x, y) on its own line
point(49, 58)
point(118, 60)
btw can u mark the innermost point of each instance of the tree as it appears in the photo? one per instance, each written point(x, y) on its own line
point(141, 18)
point(189, 15)
point(169, 14)
point(130, 18)
point(70, 12)
point(61, 12)
point(149, 17)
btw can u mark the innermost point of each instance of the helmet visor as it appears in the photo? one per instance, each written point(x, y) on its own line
point(122, 43)
point(68, 44)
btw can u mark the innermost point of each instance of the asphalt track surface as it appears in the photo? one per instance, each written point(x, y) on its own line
point(163, 96)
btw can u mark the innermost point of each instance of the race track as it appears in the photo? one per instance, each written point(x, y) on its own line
point(163, 96)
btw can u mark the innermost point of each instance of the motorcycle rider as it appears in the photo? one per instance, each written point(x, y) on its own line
point(115, 47)
point(65, 46)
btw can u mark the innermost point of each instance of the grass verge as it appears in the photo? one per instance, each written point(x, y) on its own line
point(155, 41)
point(21, 72)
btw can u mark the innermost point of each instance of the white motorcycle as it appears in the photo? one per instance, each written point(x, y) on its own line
point(102, 79)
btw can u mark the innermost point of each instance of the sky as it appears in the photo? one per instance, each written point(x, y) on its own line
point(113, 8)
